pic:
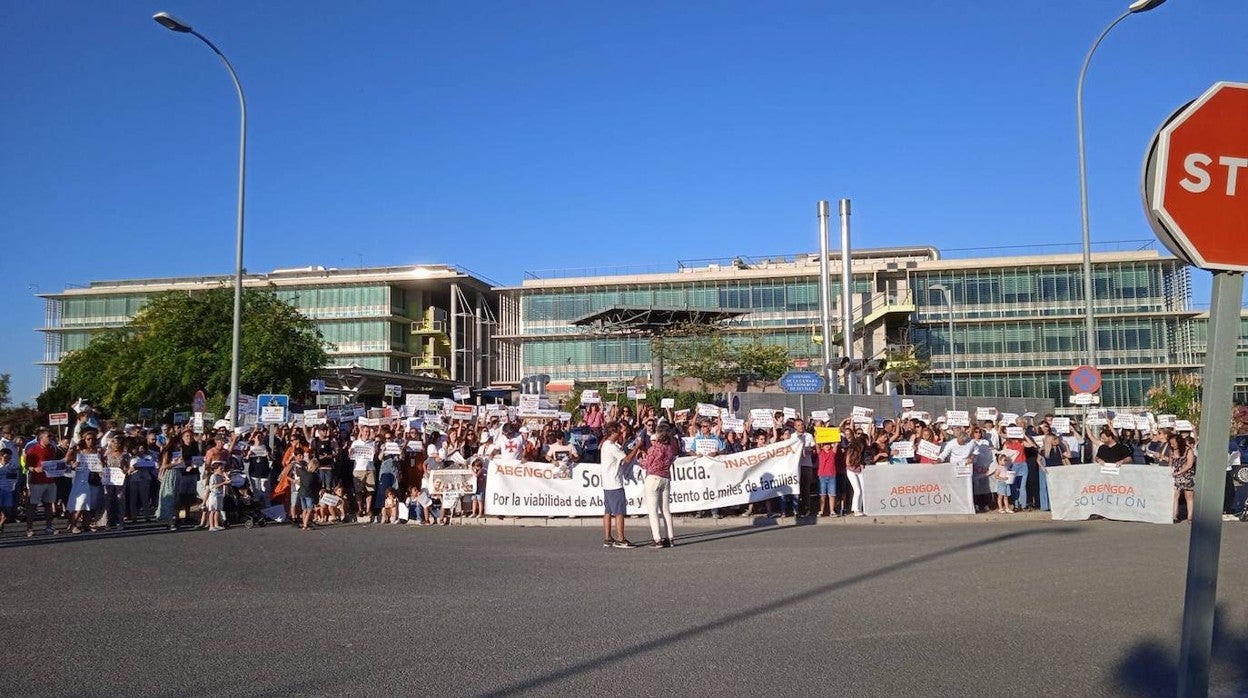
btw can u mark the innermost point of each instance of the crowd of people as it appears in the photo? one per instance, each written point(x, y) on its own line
point(103, 475)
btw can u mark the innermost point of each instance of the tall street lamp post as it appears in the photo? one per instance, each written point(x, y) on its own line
point(1089, 326)
point(953, 376)
point(168, 21)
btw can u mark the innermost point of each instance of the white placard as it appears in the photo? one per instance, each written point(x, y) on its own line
point(1083, 399)
point(789, 413)
point(1008, 418)
point(1061, 425)
point(114, 477)
point(258, 451)
point(1166, 420)
point(417, 403)
point(1015, 433)
point(362, 451)
point(667, 402)
point(329, 500)
point(820, 416)
point(564, 416)
point(986, 414)
point(55, 468)
point(590, 397)
point(640, 394)
point(705, 447)
point(452, 481)
point(707, 410)
point(1183, 425)
point(927, 449)
point(631, 392)
point(863, 412)
point(907, 403)
point(902, 449)
point(733, 424)
point(1141, 423)
point(90, 461)
point(957, 418)
point(463, 392)
point(315, 418)
point(392, 448)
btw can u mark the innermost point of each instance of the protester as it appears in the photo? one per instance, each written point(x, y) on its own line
point(1182, 462)
point(657, 463)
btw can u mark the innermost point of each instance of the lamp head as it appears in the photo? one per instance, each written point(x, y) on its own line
point(1144, 5)
point(168, 21)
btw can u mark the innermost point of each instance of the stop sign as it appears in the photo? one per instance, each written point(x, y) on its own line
point(1196, 180)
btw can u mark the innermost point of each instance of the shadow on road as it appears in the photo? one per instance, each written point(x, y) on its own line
point(1151, 668)
point(630, 652)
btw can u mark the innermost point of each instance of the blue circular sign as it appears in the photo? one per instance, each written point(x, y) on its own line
point(1085, 379)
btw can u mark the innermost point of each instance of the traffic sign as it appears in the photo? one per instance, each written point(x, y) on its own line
point(273, 408)
point(1085, 379)
point(1196, 180)
point(197, 402)
point(317, 385)
point(58, 419)
point(802, 382)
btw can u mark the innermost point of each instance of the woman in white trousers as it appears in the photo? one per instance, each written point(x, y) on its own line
point(658, 466)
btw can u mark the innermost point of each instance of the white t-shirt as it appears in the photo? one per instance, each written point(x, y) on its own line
point(808, 442)
point(954, 452)
point(363, 464)
point(612, 457)
point(509, 448)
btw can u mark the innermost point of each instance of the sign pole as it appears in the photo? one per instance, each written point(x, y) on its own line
point(1206, 540)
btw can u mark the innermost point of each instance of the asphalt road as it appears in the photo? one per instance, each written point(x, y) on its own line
point(1017, 609)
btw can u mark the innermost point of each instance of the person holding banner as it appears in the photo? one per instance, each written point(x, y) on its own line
point(40, 487)
point(657, 462)
point(80, 459)
point(615, 503)
point(1182, 462)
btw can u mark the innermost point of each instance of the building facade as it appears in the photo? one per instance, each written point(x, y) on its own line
point(426, 320)
point(1017, 321)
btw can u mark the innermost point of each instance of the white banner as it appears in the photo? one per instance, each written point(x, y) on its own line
point(906, 489)
point(698, 482)
point(1136, 493)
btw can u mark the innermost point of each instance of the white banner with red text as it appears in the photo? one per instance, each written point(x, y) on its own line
point(901, 489)
point(698, 482)
point(1135, 493)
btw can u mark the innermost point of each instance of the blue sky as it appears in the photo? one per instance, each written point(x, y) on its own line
point(508, 135)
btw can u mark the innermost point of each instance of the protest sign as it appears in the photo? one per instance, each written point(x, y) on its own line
point(631, 392)
point(789, 413)
point(392, 390)
point(452, 481)
point(762, 419)
point(90, 461)
point(707, 410)
point(705, 447)
point(929, 450)
point(315, 418)
point(392, 448)
point(1008, 418)
point(417, 403)
point(115, 477)
point(902, 449)
point(698, 483)
point(957, 418)
point(1015, 433)
point(910, 489)
point(907, 403)
point(827, 435)
point(1183, 425)
point(329, 500)
point(296, 419)
point(820, 415)
point(462, 392)
point(58, 419)
point(463, 412)
point(590, 397)
point(733, 424)
point(639, 394)
point(863, 412)
point(1166, 421)
point(1136, 493)
point(667, 403)
point(564, 416)
point(364, 451)
point(986, 414)
point(55, 468)
point(197, 423)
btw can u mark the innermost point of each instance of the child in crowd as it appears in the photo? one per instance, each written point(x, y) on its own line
point(450, 502)
point(337, 512)
point(216, 496)
point(418, 506)
point(390, 508)
point(10, 473)
point(1001, 476)
point(478, 498)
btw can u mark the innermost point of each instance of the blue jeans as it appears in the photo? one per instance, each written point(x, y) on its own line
point(1019, 488)
point(827, 485)
point(1044, 490)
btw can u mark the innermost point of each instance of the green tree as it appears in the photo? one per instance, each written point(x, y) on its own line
point(909, 367)
point(5, 381)
point(179, 343)
point(1181, 398)
point(707, 354)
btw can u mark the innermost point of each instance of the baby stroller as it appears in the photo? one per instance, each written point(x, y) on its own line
point(240, 506)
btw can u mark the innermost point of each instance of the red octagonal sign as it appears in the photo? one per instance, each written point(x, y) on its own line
point(1196, 180)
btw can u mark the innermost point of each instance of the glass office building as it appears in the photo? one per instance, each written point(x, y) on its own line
point(427, 320)
point(1017, 330)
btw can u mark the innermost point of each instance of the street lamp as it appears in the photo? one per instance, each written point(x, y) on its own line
point(953, 376)
point(168, 21)
point(1090, 328)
